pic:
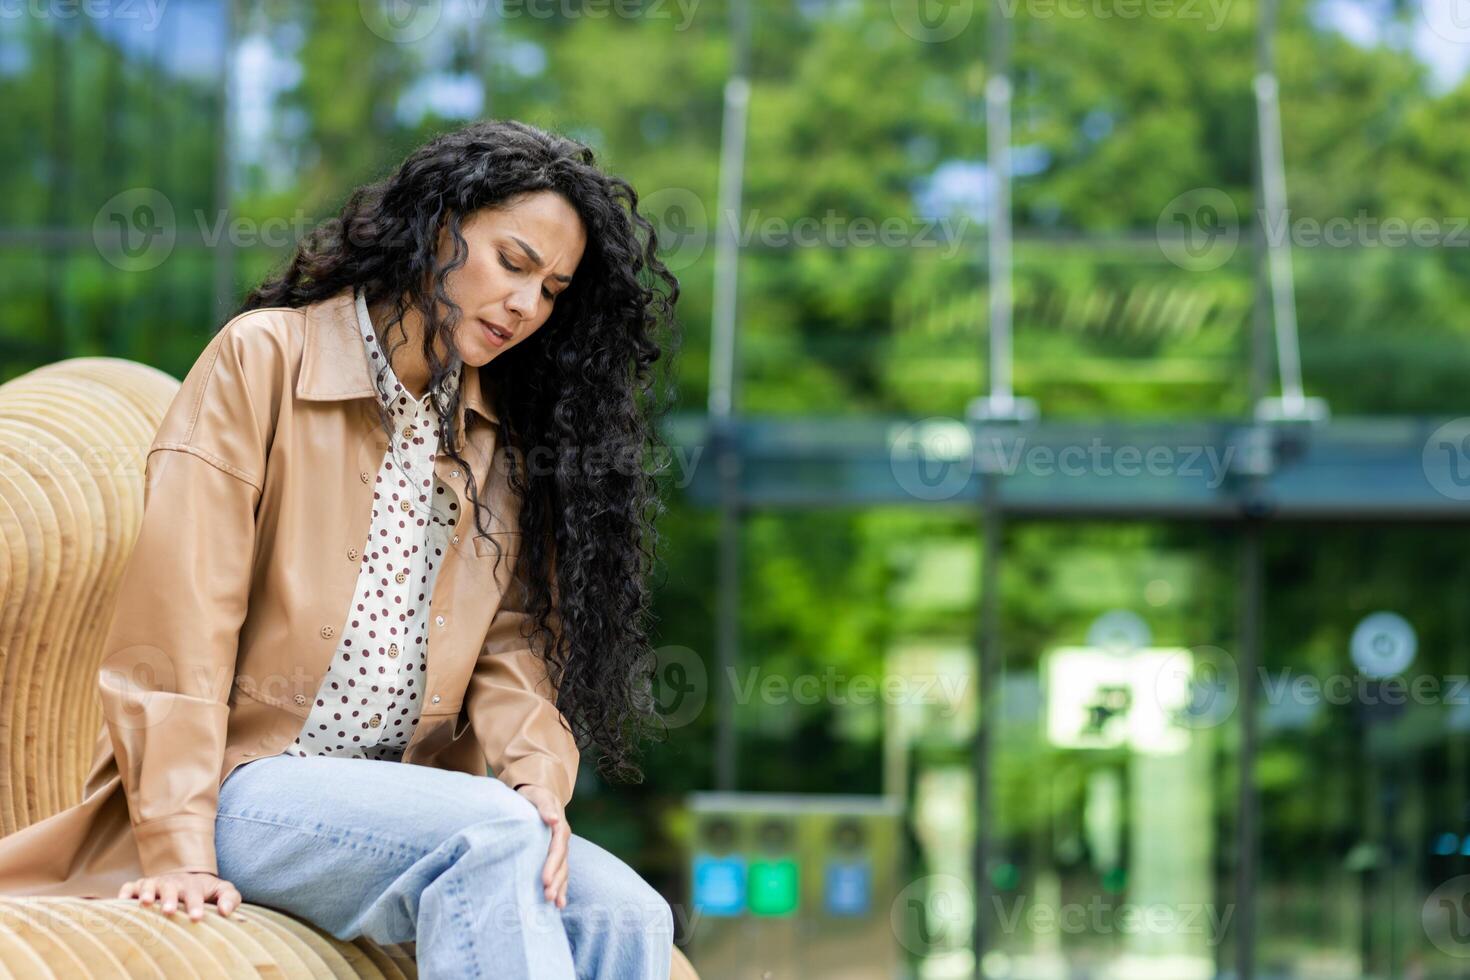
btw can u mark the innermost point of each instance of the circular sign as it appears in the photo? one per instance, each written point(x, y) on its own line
point(1384, 644)
point(1119, 630)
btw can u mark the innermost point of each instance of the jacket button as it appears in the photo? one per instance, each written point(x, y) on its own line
point(300, 699)
point(401, 577)
point(435, 699)
point(454, 540)
point(438, 620)
point(375, 721)
point(328, 632)
point(454, 473)
point(363, 476)
point(352, 554)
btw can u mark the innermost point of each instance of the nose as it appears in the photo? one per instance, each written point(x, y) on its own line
point(522, 303)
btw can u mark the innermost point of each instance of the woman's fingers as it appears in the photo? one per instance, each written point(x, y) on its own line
point(228, 899)
point(554, 872)
point(561, 891)
point(194, 890)
point(194, 899)
point(556, 864)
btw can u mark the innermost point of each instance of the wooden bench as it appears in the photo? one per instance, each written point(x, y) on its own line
point(73, 436)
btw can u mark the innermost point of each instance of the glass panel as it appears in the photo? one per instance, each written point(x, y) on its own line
point(1114, 751)
point(1364, 716)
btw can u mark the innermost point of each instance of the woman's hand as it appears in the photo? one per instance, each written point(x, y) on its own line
point(196, 887)
point(554, 875)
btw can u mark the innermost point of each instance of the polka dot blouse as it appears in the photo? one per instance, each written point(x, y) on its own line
point(369, 701)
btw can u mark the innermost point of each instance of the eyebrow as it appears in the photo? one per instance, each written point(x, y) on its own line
point(531, 254)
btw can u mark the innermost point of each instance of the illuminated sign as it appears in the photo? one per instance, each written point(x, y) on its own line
point(1103, 699)
point(773, 887)
point(719, 884)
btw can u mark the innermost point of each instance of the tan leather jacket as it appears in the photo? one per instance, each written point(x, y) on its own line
point(258, 503)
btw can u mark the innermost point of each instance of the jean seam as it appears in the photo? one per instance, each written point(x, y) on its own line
point(372, 843)
point(467, 944)
point(351, 838)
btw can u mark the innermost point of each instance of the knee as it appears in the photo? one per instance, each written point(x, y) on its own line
point(509, 830)
point(516, 832)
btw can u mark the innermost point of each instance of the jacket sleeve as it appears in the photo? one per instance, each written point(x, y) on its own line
point(170, 648)
point(512, 707)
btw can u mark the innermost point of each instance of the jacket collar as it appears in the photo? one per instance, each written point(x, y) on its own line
point(333, 367)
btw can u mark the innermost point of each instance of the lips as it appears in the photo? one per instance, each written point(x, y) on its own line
point(498, 335)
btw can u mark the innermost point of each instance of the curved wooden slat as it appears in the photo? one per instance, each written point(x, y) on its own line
point(53, 950)
point(174, 957)
point(73, 442)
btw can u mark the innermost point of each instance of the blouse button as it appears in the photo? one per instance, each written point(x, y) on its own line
point(352, 554)
point(328, 632)
point(392, 649)
point(363, 476)
point(375, 721)
point(406, 506)
point(439, 620)
point(435, 699)
point(401, 577)
point(300, 699)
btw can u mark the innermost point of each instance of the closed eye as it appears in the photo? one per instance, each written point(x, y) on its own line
point(513, 268)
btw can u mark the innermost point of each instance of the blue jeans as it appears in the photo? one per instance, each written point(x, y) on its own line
point(449, 861)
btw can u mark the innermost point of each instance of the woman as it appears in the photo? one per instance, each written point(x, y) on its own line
point(397, 514)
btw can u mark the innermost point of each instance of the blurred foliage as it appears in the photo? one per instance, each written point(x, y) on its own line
point(852, 118)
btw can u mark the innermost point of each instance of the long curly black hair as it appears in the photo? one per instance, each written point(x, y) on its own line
point(582, 387)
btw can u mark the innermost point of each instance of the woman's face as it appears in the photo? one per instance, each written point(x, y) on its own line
point(522, 255)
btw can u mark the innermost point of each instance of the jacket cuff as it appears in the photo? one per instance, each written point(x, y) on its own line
point(539, 770)
point(182, 842)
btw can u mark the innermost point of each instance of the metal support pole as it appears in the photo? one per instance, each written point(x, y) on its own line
point(727, 247)
point(727, 607)
point(989, 668)
point(722, 394)
point(1276, 225)
point(1001, 402)
point(1252, 596)
point(998, 243)
point(1000, 405)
